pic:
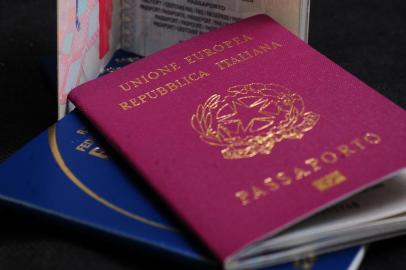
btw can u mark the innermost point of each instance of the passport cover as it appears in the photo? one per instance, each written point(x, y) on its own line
point(246, 130)
point(64, 173)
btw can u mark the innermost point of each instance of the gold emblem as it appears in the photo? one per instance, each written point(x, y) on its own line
point(251, 119)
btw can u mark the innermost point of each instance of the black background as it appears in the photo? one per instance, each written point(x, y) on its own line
point(366, 37)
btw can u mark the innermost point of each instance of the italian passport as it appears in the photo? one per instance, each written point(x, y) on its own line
point(245, 131)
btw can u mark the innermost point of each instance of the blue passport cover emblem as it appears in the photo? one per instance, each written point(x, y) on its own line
point(86, 165)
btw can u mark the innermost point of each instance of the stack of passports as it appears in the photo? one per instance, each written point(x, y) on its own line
point(246, 131)
point(66, 174)
point(63, 173)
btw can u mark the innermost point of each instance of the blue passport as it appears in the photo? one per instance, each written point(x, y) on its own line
point(64, 172)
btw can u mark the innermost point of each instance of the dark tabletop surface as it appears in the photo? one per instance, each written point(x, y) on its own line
point(366, 37)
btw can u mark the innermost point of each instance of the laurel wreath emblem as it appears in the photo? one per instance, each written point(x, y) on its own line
point(275, 114)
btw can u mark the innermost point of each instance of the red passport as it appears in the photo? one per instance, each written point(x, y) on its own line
point(245, 131)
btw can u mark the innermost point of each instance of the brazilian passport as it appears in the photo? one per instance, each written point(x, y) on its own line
point(245, 131)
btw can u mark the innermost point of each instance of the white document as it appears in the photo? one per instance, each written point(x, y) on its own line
point(152, 25)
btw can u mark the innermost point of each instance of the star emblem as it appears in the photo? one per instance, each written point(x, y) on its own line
point(247, 115)
point(248, 119)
